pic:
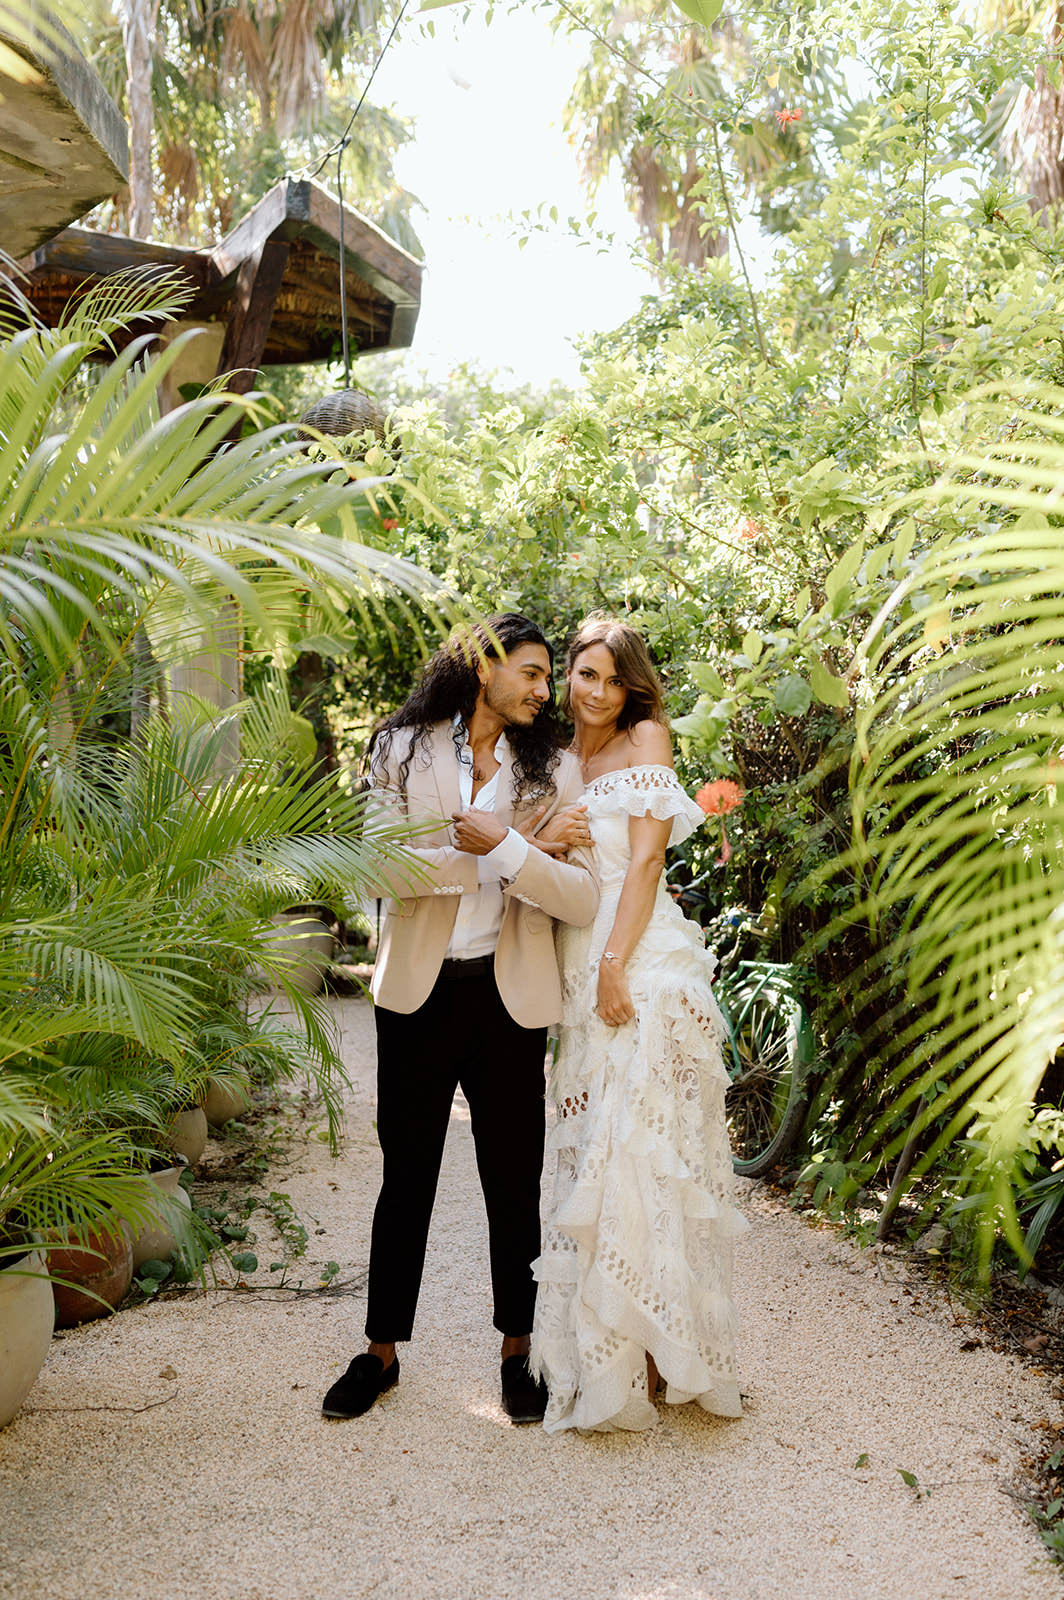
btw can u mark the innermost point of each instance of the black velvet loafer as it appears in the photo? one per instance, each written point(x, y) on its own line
point(524, 1397)
point(355, 1392)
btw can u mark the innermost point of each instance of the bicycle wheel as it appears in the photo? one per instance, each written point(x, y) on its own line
point(765, 1103)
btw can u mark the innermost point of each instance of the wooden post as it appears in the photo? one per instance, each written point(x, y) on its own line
point(211, 671)
point(258, 283)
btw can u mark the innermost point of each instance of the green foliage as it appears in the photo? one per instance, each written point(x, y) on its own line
point(245, 94)
point(704, 12)
point(137, 875)
point(811, 502)
point(1048, 1511)
point(958, 827)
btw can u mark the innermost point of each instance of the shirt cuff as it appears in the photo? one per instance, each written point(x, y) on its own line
point(508, 856)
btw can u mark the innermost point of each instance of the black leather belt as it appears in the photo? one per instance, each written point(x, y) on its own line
point(476, 967)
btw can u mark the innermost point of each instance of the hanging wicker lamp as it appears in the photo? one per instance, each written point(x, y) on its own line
point(348, 411)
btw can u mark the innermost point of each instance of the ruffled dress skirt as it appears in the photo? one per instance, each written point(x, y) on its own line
point(637, 1253)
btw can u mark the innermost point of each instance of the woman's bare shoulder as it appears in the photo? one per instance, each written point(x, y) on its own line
point(649, 745)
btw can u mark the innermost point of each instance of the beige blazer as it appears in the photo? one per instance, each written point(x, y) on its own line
point(421, 899)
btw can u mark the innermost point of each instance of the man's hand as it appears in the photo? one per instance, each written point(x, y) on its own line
point(565, 829)
point(476, 832)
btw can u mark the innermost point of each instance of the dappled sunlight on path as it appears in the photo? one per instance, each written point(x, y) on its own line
point(236, 1488)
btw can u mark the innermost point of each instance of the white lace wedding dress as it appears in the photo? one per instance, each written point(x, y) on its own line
point(638, 1242)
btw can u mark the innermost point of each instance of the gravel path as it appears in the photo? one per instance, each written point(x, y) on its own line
point(235, 1489)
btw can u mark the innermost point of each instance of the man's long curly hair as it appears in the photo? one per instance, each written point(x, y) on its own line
point(449, 687)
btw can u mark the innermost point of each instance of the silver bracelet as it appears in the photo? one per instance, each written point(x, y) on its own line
point(610, 955)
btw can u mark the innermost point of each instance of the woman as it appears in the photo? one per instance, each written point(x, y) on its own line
point(635, 1274)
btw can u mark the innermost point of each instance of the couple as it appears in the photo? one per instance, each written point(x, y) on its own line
point(634, 1274)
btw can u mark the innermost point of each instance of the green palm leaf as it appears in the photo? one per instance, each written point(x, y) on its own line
point(959, 829)
point(135, 883)
point(145, 505)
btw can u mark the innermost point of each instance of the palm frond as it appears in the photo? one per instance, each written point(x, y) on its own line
point(149, 506)
point(959, 826)
point(136, 884)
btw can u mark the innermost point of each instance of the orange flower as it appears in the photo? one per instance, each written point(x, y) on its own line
point(719, 797)
point(783, 117)
point(390, 523)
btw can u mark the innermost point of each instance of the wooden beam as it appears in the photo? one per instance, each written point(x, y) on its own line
point(84, 253)
point(294, 228)
point(386, 266)
point(252, 231)
point(258, 284)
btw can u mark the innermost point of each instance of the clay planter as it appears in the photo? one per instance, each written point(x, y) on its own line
point(109, 1277)
point(307, 943)
point(160, 1236)
point(27, 1313)
point(224, 1100)
point(188, 1134)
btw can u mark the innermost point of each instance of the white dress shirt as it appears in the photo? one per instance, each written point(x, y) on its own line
point(479, 919)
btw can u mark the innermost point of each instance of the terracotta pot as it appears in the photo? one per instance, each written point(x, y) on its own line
point(224, 1100)
point(161, 1236)
point(27, 1314)
point(307, 944)
point(188, 1134)
point(109, 1277)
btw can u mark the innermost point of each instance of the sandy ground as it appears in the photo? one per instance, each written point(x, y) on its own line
point(235, 1487)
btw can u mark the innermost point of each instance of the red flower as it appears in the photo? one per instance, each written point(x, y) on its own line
point(784, 117)
point(719, 797)
point(390, 524)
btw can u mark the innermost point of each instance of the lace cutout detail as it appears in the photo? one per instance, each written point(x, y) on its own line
point(650, 776)
point(638, 1239)
point(649, 790)
point(572, 1105)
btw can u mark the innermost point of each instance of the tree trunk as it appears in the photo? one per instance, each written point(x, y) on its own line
point(688, 243)
point(136, 16)
point(307, 681)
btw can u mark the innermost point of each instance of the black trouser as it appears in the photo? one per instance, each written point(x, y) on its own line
point(463, 1034)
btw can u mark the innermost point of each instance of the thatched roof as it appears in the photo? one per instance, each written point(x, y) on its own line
point(273, 280)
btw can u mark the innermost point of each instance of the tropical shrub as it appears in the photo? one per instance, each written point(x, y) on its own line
point(137, 873)
point(750, 474)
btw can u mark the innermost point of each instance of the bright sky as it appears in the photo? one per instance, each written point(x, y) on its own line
point(488, 101)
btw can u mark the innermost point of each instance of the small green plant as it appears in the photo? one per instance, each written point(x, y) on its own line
point(226, 1222)
point(911, 1481)
point(828, 1184)
point(1048, 1515)
point(151, 1276)
point(283, 1215)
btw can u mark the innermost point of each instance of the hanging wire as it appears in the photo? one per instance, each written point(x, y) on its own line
point(343, 140)
point(343, 257)
point(331, 424)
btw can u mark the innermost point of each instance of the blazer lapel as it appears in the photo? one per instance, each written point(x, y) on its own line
point(444, 767)
point(504, 803)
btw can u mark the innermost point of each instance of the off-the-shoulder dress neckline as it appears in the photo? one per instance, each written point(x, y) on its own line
point(620, 772)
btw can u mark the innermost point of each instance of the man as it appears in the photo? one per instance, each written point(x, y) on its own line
point(466, 980)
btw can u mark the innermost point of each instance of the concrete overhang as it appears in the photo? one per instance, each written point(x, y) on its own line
point(63, 145)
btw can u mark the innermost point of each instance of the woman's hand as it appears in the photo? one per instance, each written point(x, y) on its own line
point(614, 996)
point(567, 827)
